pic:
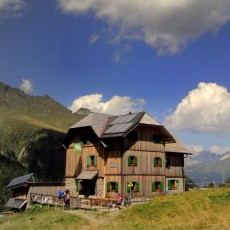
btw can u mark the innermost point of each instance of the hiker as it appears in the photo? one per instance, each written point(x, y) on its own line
point(67, 199)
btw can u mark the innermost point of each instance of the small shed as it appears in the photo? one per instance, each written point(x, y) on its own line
point(20, 188)
point(24, 186)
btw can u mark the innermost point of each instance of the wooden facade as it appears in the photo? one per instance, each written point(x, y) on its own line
point(128, 154)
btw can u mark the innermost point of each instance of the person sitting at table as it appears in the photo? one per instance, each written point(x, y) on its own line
point(119, 200)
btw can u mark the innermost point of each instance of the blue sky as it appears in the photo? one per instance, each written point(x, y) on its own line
point(169, 59)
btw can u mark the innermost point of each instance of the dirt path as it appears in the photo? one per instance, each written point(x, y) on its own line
point(96, 218)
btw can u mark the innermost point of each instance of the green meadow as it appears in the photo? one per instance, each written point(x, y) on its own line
point(193, 210)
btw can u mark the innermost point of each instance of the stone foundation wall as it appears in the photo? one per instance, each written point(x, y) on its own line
point(70, 183)
point(100, 187)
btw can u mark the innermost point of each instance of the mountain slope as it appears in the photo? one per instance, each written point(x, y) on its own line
point(208, 168)
point(31, 129)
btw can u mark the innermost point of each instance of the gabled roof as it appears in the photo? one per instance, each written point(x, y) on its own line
point(106, 126)
point(19, 181)
point(97, 121)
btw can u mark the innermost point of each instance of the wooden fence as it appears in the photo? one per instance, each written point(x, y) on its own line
point(76, 202)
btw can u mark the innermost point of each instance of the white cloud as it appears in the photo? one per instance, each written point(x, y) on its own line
point(167, 25)
point(11, 7)
point(196, 149)
point(219, 150)
point(117, 105)
point(205, 110)
point(93, 38)
point(26, 86)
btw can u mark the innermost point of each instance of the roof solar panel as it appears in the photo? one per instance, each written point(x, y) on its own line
point(117, 128)
point(20, 180)
point(123, 119)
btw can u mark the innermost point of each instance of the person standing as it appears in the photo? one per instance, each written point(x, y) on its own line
point(67, 199)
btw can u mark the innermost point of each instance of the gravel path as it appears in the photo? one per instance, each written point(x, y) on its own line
point(96, 218)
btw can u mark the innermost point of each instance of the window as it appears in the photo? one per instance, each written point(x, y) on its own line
point(168, 163)
point(173, 184)
point(91, 160)
point(157, 186)
point(112, 187)
point(158, 139)
point(157, 161)
point(132, 136)
point(133, 187)
point(132, 161)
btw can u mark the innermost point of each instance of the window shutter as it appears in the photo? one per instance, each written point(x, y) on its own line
point(137, 187)
point(128, 187)
point(88, 140)
point(154, 161)
point(153, 186)
point(77, 186)
point(177, 184)
point(135, 161)
point(129, 160)
point(88, 160)
point(95, 161)
point(169, 184)
point(108, 187)
point(160, 162)
point(162, 186)
point(116, 186)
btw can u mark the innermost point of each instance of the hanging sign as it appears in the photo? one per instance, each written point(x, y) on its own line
point(77, 147)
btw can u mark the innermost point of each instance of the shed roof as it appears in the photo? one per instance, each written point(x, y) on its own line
point(15, 203)
point(18, 181)
point(87, 175)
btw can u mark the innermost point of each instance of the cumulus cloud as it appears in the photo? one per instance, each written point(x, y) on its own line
point(117, 105)
point(26, 86)
point(167, 25)
point(11, 7)
point(205, 110)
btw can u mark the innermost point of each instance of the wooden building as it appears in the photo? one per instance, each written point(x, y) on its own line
point(24, 187)
point(128, 154)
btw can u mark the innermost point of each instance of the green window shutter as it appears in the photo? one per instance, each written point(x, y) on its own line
point(129, 160)
point(108, 187)
point(153, 186)
point(116, 186)
point(138, 187)
point(162, 186)
point(95, 161)
point(154, 161)
point(88, 140)
point(169, 184)
point(88, 160)
point(77, 185)
point(177, 184)
point(161, 162)
point(135, 161)
point(128, 187)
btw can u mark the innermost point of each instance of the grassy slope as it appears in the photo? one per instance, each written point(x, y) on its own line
point(209, 209)
point(31, 130)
